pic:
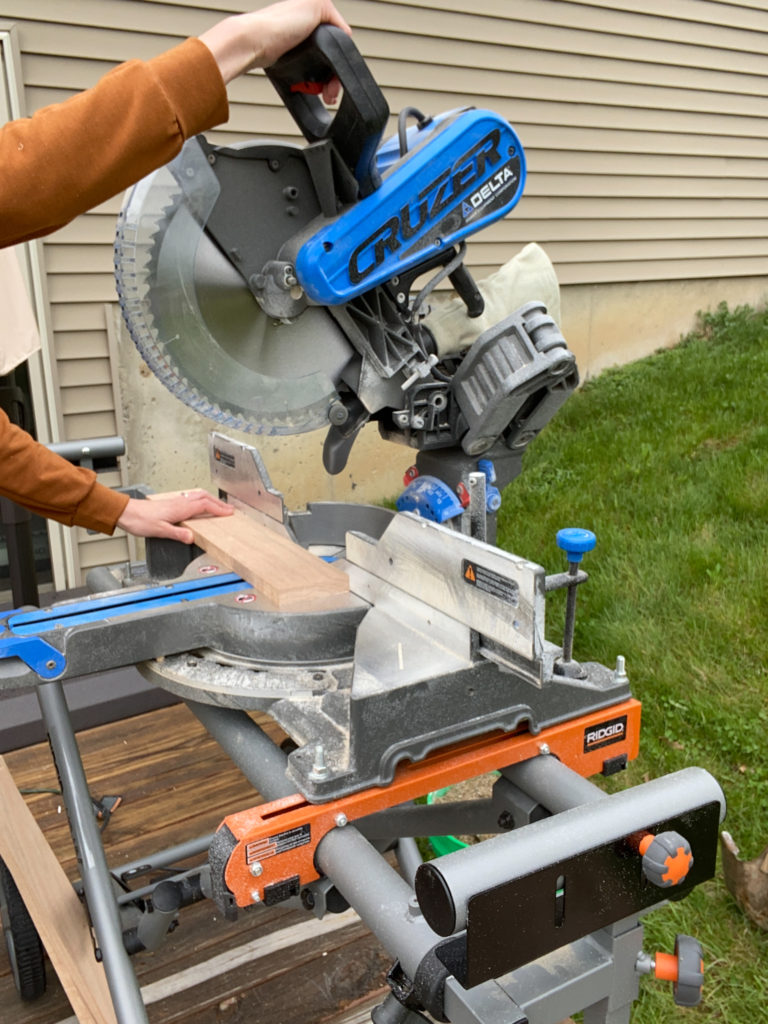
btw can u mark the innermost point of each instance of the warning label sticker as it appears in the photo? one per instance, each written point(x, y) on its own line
point(490, 582)
point(271, 846)
point(224, 457)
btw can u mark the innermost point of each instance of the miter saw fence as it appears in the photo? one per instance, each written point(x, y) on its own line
point(273, 287)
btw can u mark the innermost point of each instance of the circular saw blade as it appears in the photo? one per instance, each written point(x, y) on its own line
point(198, 326)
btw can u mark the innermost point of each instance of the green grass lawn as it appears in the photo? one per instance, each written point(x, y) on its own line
point(666, 460)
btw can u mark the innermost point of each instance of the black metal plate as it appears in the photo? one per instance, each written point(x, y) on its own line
point(519, 921)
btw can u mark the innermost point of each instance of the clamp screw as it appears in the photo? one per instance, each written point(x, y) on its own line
point(575, 542)
point(341, 820)
point(255, 896)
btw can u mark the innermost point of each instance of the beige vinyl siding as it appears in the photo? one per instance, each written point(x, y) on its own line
point(645, 127)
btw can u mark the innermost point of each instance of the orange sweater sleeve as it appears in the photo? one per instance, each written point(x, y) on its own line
point(59, 163)
point(69, 157)
point(43, 482)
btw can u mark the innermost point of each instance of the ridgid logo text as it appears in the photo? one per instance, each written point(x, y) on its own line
point(602, 735)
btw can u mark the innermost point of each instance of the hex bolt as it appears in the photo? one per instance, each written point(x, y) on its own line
point(506, 821)
point(620, 673)
point(255, 896)
point(319, 768)
point(256, 869)
point(341, 820)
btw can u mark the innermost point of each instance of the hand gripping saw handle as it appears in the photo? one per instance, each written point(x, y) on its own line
point(357, 127)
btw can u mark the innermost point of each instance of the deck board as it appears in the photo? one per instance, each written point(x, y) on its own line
point(176, 784)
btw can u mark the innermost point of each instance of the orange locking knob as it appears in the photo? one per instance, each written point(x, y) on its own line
point(667, 858)
point(684, 968)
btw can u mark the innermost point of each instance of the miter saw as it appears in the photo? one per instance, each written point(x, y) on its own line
point(281, 289)
point(272, 286)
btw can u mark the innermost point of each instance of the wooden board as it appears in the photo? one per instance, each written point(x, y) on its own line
point(53, 905)
point(289, 576)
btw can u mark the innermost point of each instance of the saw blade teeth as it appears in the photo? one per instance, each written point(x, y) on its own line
point(197, 325)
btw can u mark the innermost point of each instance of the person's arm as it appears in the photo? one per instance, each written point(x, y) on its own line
point(70, 157)
point(50, 486)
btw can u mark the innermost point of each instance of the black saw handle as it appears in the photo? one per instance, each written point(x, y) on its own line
point(357, 126)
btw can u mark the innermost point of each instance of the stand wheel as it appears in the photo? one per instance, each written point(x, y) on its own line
point(25, 950)
point(690, 971)
point(684, 968)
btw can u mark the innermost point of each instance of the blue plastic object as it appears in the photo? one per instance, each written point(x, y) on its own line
point(22, 638)
point(465, 172)
point(492, 494)
point(431, 498)
point(35, 653)
point(575, 542)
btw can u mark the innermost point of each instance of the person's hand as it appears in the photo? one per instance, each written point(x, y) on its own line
point(158, 518)
point(257, 39)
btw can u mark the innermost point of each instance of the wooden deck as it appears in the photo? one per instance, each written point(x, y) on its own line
point(271, 965)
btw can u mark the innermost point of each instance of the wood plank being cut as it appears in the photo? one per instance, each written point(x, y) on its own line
point(289, 576)
point(53, 905)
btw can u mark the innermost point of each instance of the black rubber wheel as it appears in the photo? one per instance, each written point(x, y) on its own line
point(25, 950)
point(690, 971)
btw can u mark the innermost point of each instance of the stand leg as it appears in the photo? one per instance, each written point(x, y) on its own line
point(600, 1013)
point(100, 898)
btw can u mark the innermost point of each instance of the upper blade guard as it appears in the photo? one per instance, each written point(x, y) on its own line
point(466, 172)
point(199, 327)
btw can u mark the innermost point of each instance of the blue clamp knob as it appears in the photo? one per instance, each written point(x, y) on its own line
point(492, 494)
point(492, 499)
point(486, 466)
point(575, 542)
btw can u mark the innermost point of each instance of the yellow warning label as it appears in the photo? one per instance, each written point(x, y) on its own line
point(469, 573)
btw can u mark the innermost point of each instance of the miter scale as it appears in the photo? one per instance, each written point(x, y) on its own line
point(279, 289)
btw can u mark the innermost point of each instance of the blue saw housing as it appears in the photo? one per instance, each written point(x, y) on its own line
point(465, 170)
